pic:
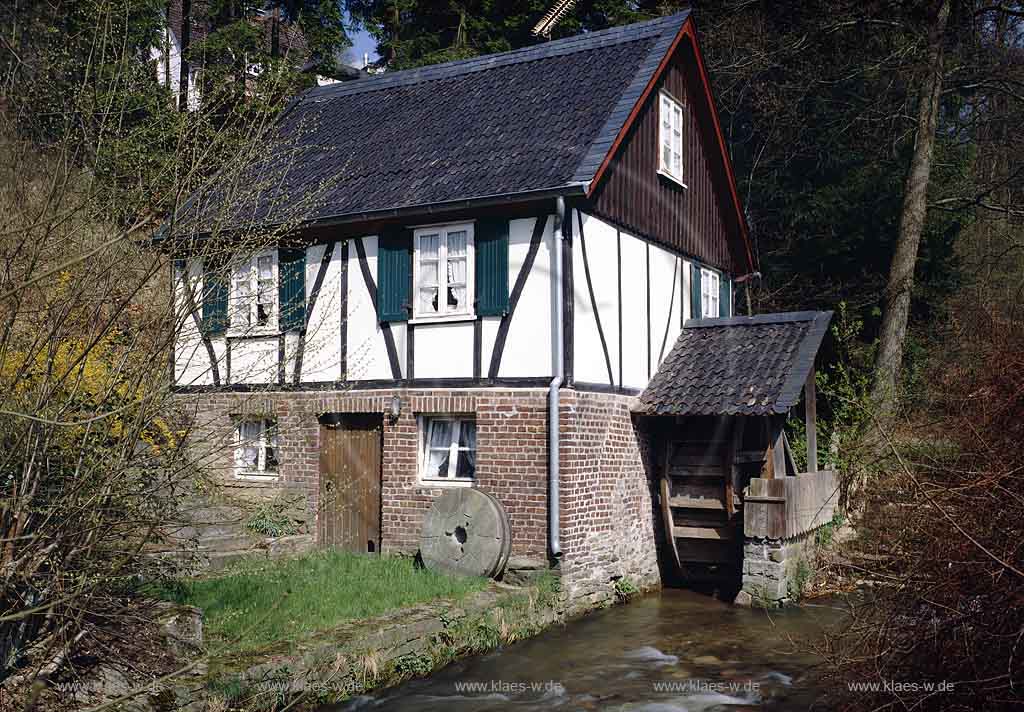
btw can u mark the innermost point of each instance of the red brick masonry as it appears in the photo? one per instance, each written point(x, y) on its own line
point(606, 504)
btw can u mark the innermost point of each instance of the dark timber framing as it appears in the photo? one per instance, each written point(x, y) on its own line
point(280, 360)
point(227, 363)
point(343, 353)
point(404, 384)
point(540, 222)
point(382, 384)
point(318, 283)
point(647, 258)
point(593, 301)
point(671, 305)
point(478, 338)
point(385, 327)
point(410, 350)
point(190, 302)
point(618, 282)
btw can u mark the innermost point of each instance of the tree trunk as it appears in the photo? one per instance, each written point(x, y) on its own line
point(186, 38)
point(912, 216)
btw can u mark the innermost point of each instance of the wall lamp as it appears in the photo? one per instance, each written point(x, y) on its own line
point(394, 409)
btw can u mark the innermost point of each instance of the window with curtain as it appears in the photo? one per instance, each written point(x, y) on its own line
point(256, 448)
point(443, 272)
point(254, 293)
point(709, 294)
point(671, 138)
point(449, 449)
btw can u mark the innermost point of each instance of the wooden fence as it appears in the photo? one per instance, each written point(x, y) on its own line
point(785, 507)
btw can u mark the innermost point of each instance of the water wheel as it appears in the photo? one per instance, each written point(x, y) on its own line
point(466, 532)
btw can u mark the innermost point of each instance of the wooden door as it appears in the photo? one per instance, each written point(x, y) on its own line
point(350, 470)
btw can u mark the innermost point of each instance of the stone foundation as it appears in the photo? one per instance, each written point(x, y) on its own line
point(607, 504)
point(776, 570)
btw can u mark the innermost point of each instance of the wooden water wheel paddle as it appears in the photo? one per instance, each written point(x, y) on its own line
point(466, 532)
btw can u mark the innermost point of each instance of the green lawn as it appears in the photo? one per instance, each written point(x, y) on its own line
point(260, 602)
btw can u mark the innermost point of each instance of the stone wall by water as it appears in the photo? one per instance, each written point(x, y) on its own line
point(776, 570)
point(607, 505)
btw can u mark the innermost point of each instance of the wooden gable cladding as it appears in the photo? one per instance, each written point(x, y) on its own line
point(696, 220)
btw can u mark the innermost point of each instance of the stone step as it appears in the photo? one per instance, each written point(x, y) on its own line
point(230, 542)
point(218, 560)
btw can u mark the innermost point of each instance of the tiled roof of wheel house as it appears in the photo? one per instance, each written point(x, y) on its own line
point(531, 122)
point(755, 365)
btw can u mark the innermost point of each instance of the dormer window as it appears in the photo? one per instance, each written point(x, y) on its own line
point(670, 161)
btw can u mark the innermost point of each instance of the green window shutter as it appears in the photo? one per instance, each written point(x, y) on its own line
point(291, 288)
point(394, 275)
point(695, 310)
point(491, 245)
point(724, 296)
point(215, 299)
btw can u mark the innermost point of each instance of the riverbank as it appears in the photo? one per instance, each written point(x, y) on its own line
point(262, 606)
point(359, 656)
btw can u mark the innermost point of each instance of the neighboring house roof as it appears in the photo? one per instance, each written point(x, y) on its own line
point(754, 365)
point(529, 123)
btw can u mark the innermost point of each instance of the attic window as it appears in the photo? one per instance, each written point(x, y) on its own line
point(709, 294)
point(670, 138)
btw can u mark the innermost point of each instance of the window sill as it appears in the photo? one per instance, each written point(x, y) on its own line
point(260, 333)
point(442, 319)
point(257, 477)
point(668, 176)
point(446, 482)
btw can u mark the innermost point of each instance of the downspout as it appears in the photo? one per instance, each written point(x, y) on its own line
point(556, 381)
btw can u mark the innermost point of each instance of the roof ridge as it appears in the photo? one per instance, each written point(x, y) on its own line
point(755, 320)
point(553, 48)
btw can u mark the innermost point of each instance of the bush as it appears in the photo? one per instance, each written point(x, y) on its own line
point(940, 534)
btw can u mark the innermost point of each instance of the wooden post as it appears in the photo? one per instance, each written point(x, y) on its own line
point(810, 420)
point(732, 470)
point(776, 447)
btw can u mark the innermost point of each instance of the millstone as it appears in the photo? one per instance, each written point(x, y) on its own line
point(466, 532)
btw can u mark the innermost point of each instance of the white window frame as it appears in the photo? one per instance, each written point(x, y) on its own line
point(266, 440)
point(234, 303)
point(671, 138)
point(709, 296)
point(469, 310)
point(453, 450)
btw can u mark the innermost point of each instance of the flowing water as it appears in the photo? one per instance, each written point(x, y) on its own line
point(673, 651)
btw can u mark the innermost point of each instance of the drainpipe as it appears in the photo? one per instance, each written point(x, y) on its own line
point(556, 382)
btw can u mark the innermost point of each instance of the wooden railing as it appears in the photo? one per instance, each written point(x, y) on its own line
point(785, 507)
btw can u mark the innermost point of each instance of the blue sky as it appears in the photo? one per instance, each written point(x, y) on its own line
point(361, 42)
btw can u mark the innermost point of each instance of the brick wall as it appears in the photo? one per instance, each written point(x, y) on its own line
point(607, 504)
point(606, 511)
point(511, 451)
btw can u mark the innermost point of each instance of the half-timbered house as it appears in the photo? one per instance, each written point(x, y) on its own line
point(504, 250)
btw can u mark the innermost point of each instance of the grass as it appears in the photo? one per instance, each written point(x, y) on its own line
point(258, 603)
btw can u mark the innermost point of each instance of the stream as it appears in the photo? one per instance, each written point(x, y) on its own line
point(676, 650)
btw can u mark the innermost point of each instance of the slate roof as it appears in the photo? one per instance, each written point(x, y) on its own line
point(737, 366)
point(527, 121)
